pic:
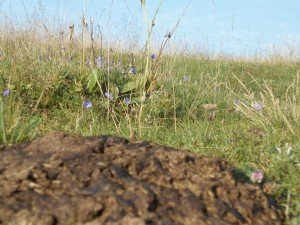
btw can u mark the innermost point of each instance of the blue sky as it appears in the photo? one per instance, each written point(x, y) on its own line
point(236, 27)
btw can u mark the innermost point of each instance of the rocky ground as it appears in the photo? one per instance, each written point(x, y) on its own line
point(61, 179)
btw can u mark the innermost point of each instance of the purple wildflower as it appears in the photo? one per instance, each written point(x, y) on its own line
point(119, 66)
point(236, 102)
point(87, 104)
point(257, 176)
point(153, 56)
point(108, 95)
point(132, 70)
point(88, 62)
point(6, 92)
point(99, 61)
point(127, 101)
point(257, 106)
point(186, 78)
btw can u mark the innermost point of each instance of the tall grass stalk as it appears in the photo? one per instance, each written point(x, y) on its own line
point(277, 112)
point(2, 127)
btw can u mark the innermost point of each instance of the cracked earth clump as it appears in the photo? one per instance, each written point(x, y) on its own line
point(60, 179)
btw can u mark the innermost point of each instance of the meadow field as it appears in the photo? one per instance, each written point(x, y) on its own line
point(245, 111)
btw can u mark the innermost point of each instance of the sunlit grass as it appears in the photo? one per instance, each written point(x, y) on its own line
point(245, 112)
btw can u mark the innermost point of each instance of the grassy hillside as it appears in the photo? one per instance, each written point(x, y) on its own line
point(245, 112)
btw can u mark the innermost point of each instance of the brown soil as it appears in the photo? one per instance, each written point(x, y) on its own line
point(61, 179)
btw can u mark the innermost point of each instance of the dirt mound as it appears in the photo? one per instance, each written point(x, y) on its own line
point(61, 179)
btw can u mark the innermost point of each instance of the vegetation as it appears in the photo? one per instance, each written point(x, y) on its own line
point(247, 112)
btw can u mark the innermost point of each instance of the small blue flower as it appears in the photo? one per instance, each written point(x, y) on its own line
point(108, 95)
point(99, 61)
point(127, 101)
point(186, 78)
point(63, 49)
point(236, 102)
point(153, 56)
point(257, 106)
point(119, 66)
point(87, 104)
point(88, 62)
point(132, 70)
point(6, 92)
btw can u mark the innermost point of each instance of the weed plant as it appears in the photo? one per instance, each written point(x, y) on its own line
point(246, 112)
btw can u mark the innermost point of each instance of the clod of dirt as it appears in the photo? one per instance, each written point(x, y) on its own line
point(61, 179)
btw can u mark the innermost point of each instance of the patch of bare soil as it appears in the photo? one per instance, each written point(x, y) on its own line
point(62, 179)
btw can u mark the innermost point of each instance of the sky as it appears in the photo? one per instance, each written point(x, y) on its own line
point(232, 27)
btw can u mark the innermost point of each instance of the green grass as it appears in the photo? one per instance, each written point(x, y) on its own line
point(48, 86)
